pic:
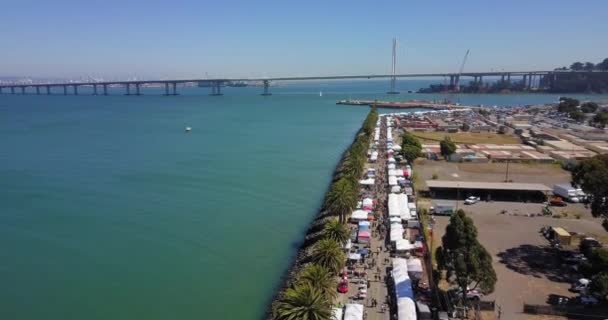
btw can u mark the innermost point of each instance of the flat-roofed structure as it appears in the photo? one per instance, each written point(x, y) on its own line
point(534, 192)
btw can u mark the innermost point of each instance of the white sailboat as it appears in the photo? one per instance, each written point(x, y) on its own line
point(320, 93)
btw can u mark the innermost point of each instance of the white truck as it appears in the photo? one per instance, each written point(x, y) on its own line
point(567, 192)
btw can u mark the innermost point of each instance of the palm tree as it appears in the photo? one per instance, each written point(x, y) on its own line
point(341, 198)
point(320, 278)
point(328, 253)
point(336, 231)
point(303, 302)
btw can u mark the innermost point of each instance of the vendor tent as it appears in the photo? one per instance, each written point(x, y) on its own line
point(391, 166)
point(353, 311)
point(403, 245)
point(406, 309)
point(367, 182)
point(337, 314)
point(414, 268)
point(395, 189)
point(392, 181)
point(354, 256)
point(359, 215)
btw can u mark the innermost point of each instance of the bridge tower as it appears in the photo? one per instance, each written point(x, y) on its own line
point(394, 67)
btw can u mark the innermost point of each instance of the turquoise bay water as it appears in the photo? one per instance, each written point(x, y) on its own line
point(110, 211)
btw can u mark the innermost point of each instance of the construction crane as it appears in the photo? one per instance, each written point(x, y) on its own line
point(464, 61)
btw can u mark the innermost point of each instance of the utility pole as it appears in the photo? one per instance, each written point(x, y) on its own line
point(507, 172)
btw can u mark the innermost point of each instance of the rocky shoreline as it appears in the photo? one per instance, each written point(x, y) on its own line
point(312, 234)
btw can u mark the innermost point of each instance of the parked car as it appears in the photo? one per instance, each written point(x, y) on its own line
point(588, 300)
point(581, 285)
point(471, 294)
point(343, 286)
point(557, 202)
point(471, 200)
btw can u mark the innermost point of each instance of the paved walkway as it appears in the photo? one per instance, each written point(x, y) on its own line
point(376, 303)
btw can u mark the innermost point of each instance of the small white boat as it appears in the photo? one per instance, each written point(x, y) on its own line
point(188, 129)
point(320, 93)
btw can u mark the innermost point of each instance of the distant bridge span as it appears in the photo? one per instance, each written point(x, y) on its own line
point(217, 83)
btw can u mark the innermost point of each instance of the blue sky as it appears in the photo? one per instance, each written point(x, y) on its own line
point(230, 38)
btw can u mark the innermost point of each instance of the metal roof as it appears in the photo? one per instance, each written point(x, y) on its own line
point(487, 185)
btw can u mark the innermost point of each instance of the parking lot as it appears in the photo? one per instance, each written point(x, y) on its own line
point(528, 269)
point(547, 174)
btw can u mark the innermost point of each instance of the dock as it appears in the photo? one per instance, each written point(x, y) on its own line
point(401, 104)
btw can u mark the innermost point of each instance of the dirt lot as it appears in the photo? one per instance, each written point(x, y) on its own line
point(467, 137)
point(527, 268)
point(548, 174)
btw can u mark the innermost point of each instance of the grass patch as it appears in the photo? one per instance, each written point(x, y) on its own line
point(467, 137)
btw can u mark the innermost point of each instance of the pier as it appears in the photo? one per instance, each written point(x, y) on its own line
point(401, 104)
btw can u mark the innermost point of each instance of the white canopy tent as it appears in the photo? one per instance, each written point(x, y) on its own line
point(391, 160)
point(368, 202)
point(403, 245)
point(391, 166)
point(353, 311)
point(414, 268)
point(395, 189)
point(406, 309)
point(354, 256)
point(337, 314)
point(359, 215)
point(367, 182)
point(392, 181)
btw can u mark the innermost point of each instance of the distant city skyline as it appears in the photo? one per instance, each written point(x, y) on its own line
point(69, 39)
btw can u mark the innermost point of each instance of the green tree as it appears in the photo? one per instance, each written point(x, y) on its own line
point(447, 146)
point(328, 254)
point(303, 301)
point(589, 107)
point(410, 153)
point(577, 116)
point(599, 285)
point(597, 261)
point(577, 66)
point(408, 139)
point(589, 66)
point(592, 176)
point(467, 262)
point(602, 65)
point(341, 198)
point(320, 278)
point(600, 120)
point(567, 105)
point(336, 231)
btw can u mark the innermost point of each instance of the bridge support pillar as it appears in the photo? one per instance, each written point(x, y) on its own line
point(0, 90)
point(509, 78)
point(481, 80)
point(502, 78)
point(105, 89)
point(37, 90)
point(22, 90)
point(174, 88)
point(525, 81)
point(452, 81)
point(457, 83)
point(128, 86)
point(12, 90)
point(266, 88)
point(48, 90)
point(65, 90)
point(75, 90)
point(530, 80)
point(166, 89)
point(94, 89)
point(137, 92)
point(216, 88)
